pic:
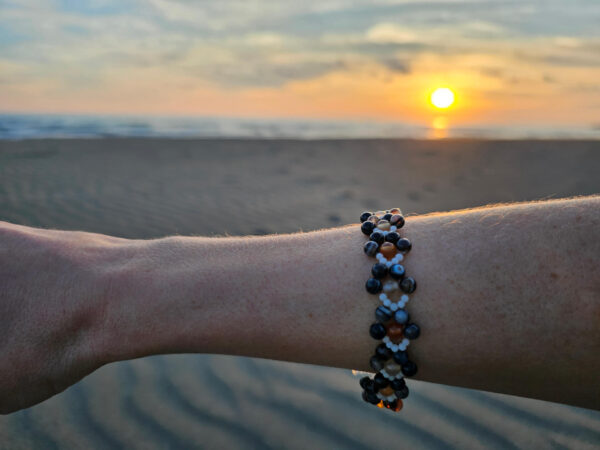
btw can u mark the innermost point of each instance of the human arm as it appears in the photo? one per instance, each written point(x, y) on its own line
point(508, 301)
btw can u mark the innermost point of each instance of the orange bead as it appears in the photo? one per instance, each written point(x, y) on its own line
point(395, 332)
point(398, 406)
point(395, 211)
point(380, 404)
point(387, 391)
point(388, 250)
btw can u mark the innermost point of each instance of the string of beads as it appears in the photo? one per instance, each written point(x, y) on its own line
point(393, 326)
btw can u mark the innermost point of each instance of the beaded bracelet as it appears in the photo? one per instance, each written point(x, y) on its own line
point(392, 327)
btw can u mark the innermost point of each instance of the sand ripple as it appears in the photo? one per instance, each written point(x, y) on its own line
point(147, 188)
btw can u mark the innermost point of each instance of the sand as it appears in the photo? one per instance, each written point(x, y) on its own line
point(143, 188)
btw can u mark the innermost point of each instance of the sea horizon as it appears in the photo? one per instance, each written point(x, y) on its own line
point(18, 126)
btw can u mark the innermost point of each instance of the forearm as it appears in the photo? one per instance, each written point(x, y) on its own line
point(508, 298)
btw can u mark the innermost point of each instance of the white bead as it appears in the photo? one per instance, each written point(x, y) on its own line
point(389, 344)
point(386, 339)
point(387, 302)
point(394, 306)
point(400, 257)
point(380, 257)
point(388, 264)
point(383, 297)
point(405, 298)
point(395, 348)
point(380, 396)
point(390, 398)
point(393, 228)
point(405, 341)
point(390, 286)
point(384, 373)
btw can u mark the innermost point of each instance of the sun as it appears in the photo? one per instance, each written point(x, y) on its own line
point(442, 98)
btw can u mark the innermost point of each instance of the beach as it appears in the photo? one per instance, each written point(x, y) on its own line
point(148, 188)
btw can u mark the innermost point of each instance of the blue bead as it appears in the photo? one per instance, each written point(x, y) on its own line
point(380, 381)
point(364, 216)
point(401, 316)
point(397, 383)
point(371, 248)
point(409, 369)
point(397, 271)
point(412, 331)
point(376, 363)
point(379, 271)
point(401, 357)
point(408, 285)
point(392, 237)
point(373, 286)
point(402, 392)
point(383, 313)
point(403, 245)
point(400, 222)
point(372, 398)
point(364, 382)
point(377, 236)
point(383, 352)
point(364, 396)
point(377, 331)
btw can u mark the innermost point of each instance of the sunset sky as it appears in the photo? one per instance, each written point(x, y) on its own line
point(508, 62)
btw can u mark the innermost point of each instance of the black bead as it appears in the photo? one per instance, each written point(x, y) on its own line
point(392, 237)
point(364, 382)
point(373, 286)
point(403, 245)
point(376, 363)
point(402, 392)
point(392, 405)
point(380, 381)
point(377, 236)
point(371, 248)
point(367, 228)
point(397, 383)
point(397, 271)
point(379, 271)
point(383, 313)
point(383, 352)
point(387, 217)
point(377, 331)
point(409, 369)
point(401, 357)
point(408, 285)
point(364, 216)
point(412, 331)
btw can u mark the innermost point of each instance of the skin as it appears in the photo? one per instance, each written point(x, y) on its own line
point(508, 300)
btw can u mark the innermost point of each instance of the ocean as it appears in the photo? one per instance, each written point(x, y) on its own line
point(39, 126)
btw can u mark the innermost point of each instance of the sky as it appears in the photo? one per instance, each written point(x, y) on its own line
point(509, 62)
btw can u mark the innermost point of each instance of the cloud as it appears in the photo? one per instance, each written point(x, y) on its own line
point(58, 46)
